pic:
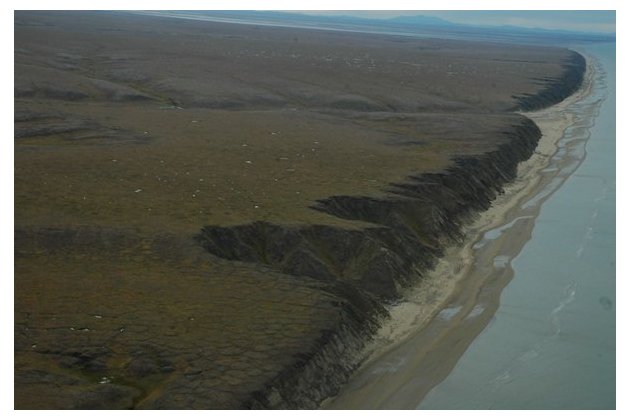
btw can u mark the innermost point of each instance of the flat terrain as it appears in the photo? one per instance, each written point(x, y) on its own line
point(134, 132)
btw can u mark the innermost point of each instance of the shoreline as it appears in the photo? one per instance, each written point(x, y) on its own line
point(442, 316)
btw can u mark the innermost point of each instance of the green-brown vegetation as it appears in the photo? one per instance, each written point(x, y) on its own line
point(132, 133)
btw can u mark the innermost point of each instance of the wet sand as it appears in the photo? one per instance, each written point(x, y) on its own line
point(436, 322)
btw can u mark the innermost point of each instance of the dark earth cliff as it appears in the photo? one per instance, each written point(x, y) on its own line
point(554, 90)
point(413, 225)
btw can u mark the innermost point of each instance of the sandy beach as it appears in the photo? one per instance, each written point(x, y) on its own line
point(431, 328)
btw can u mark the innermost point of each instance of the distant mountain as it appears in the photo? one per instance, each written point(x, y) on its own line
point(418, 25)
point(420, 20)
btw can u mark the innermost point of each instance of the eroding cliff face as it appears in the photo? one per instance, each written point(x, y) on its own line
point(319, 374)
point(413, 223)
point(412, 226)
point(556, 89)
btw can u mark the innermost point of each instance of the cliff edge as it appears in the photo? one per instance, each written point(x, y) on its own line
point(411, 228)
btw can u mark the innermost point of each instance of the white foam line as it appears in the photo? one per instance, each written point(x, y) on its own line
point(570, 297)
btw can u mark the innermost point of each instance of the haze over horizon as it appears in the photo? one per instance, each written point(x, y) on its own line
point(602, 21)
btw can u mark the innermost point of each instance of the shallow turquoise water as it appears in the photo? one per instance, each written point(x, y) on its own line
point(551, 344)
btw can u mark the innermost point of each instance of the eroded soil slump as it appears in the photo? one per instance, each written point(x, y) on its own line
point(413, 225)
point(417, 220)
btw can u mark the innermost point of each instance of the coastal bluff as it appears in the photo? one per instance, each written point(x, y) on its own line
point(213, 216)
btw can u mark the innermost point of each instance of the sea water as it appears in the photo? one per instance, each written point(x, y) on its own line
point(551, 343)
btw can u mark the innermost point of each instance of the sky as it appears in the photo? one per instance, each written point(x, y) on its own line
point(560, 15)
point(580, 20)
